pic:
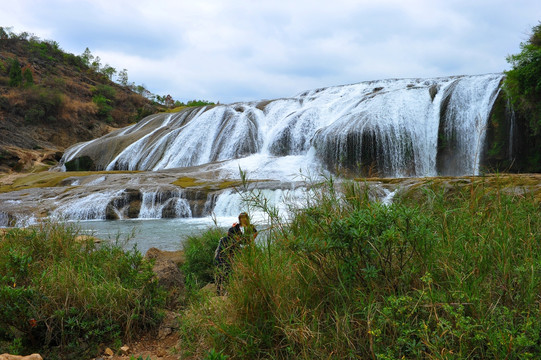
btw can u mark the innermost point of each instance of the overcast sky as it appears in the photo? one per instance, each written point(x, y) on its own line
point(237, 50)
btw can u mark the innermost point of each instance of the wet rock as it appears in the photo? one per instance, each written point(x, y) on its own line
point(433, 91)
point(110, 213)
point(134, 209)
point(83, 163)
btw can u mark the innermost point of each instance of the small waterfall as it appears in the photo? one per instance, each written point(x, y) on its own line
point(510, 112)
point(125, 204)
point(90, 207)
point(155, 204)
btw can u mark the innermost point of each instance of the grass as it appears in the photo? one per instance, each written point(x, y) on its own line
point(453, 273)
point(186, 182)
point(64, 296)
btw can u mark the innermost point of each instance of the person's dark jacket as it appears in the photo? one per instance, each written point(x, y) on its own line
point(232, 243)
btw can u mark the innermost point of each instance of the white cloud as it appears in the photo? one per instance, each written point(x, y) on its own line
point(245, 50)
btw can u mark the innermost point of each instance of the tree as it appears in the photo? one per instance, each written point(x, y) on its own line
point(123, 77)
point(15, 74)
point(168, 101)
point(87, 57)
point(108, 71)
point(96, 64)
point(523, 81)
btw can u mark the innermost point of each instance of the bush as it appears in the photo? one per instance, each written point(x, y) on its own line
point(43, 104)
point(15, 74)
point(63, 296)
point(28, 77)
point(199, 252)
point(447, 273)
point(103, 98)
point(106, 91)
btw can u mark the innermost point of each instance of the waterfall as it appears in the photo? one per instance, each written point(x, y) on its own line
point(396, 128)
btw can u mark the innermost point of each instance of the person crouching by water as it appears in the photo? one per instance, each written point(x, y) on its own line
point(239, 235)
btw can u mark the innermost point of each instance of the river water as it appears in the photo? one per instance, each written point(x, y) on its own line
point(164, 234)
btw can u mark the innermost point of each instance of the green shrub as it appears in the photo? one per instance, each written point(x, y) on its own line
point(199, 253)
point(103, 98)
point(447, 273)
point(104, 107)
point(28, 77)
point(15, 74)
point(43, 104)
point(64, 296)
point(106, 91)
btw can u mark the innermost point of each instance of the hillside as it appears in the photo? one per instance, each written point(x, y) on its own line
point(56, 100)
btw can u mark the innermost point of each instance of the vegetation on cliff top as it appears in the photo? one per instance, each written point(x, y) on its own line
point(453, 272)
point(523, 88)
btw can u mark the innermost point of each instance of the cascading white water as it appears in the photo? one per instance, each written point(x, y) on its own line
point(154, 202)
point(392, 126)
point(90, 207)
point(231, 203)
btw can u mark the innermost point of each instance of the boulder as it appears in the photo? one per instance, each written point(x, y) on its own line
point(168, 325)
point(166, 268)
point(168, 274)
point(176, 256)
point(17, 357)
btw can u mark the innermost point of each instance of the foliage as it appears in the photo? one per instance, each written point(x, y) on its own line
point(193, 103)
point(103, 96)
point(108, 71)
point(42, 104)
point(123, 77)
point(450, 273)
point(28, 77)
point(523, 82)
point(214, 355)
point(15, 73)
point(64, 296)
point(199, 253)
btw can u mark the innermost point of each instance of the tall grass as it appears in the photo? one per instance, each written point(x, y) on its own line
point(64, 296)
point(451, 273)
